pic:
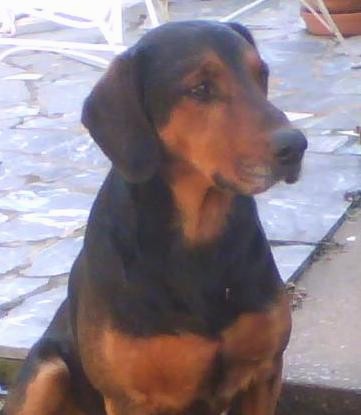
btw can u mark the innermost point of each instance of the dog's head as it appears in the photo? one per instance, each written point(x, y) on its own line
point(197, 92)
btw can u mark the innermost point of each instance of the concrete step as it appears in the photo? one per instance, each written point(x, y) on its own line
point(323, 361)
point(304, 399)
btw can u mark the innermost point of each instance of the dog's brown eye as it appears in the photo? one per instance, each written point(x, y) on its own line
point(202, 92)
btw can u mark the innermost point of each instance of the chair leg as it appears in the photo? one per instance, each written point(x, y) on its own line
point(7, 20)
point(152, 13)
point(115, 28)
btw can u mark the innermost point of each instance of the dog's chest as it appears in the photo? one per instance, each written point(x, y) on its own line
point(168, 373)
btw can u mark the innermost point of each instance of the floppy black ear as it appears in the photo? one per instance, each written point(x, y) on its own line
point(243, 31)
point(114, 115)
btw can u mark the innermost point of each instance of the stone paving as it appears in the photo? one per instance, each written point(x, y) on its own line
point(50, 169)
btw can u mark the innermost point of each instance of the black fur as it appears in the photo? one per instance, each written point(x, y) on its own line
point(154, 283)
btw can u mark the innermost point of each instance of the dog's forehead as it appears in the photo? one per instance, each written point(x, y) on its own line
point(189, 41)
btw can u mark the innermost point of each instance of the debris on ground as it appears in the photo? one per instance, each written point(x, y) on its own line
point(296, 295)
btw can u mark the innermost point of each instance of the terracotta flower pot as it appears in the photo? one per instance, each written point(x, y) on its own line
point(345, 13)
point(340, 6)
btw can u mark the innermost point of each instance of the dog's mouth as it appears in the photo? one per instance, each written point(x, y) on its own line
point(256, 179)
point(289, 174)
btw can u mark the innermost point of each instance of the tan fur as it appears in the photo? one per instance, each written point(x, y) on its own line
point(253, 346)
point(228, 137)
point(167, 373)
point(161, 373)
point(203, 208)
point(48, 393)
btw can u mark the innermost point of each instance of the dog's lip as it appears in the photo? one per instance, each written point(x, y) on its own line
point(291, 179)
point(250, 172)
point(259, 178)
point(259, 182)
point(289, 174)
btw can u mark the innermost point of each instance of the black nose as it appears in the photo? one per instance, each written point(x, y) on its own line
point(289, 146)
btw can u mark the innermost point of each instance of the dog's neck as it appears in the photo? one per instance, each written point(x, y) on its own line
point(202, 207)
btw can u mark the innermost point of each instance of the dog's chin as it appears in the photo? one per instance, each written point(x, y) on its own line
point(254, 184)
point(257, 185)
point(248, 186)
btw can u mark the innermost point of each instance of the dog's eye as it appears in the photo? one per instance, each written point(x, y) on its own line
point(202, 92)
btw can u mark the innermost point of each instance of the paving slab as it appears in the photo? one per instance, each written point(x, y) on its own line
point(291, 259)
point(13, 92)
point(24, 324)
point(14, 288)
point(19, 230)
point(64, 96)
point(21, 110)
point(56, 259)
point(49, 65)
point(9, 122)
point(308, 210)
point(328, 143)
point(13, 258)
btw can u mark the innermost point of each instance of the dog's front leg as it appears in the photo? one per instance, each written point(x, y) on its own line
point(115, 406)
point(112, 407)
point(261, 398)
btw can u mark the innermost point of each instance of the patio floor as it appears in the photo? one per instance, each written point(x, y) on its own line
point(51, 170)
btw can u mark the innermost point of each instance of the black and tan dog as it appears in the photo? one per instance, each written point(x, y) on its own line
point(175, 305)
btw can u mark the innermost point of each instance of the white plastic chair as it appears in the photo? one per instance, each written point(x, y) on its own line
point(107, 16)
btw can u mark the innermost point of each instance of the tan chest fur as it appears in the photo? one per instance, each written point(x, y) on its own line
point(168, 373)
